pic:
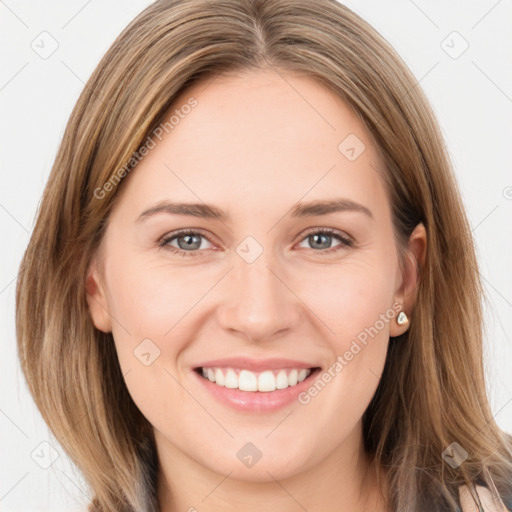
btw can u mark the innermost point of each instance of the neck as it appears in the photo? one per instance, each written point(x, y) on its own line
point(345, 480)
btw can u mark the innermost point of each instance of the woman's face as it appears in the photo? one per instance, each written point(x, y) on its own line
point(252, 294)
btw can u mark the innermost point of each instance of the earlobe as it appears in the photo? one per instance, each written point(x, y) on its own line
point(406, 294)
point(96, 299)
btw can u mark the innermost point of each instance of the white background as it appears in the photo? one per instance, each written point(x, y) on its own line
point(471, 95)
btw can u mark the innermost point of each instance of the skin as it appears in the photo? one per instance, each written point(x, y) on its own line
point(256, 144)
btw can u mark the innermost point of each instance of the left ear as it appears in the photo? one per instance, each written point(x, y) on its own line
point(406, 293)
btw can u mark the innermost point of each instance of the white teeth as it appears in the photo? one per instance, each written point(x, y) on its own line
point(231, 380)
point(303, 373)
point(281, 380)
point(266, 381)
point(219, 377)
point(245, 380)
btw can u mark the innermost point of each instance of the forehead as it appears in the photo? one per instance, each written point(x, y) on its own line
point(256, 139)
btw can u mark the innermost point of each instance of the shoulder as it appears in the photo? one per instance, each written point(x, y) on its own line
point(469, 502)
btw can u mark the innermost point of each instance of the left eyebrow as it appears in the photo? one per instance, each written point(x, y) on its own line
point(317, 208)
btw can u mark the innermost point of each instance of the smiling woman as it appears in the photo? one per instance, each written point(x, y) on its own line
point(278, 304)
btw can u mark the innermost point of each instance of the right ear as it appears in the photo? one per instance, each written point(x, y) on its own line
point(96, 298)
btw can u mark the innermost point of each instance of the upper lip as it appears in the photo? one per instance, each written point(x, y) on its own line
point(255, 365)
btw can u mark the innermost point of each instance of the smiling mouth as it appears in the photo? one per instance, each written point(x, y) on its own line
point(245, 380)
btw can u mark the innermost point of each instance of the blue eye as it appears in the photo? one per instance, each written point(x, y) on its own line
point(189, 241)
point(325, 236)
point(192, 242)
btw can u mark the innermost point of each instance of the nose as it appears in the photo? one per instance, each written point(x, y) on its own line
point(260, 304)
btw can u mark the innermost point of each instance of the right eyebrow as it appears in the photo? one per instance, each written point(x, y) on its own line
point(190, 209)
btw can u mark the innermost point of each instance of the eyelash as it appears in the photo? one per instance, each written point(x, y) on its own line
point(345, 241)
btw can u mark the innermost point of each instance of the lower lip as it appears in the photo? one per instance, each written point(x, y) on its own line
point(257, 401)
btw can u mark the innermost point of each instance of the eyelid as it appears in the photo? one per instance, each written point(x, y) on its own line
point(165, 239)
point(338, 233)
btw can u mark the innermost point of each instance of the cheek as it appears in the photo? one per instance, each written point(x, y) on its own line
point(154, 307)
point(150, 304)
point(355, 309)
point(350, 298)
point(151, 298)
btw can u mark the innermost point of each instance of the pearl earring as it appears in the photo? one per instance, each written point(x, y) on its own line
point(401, 318)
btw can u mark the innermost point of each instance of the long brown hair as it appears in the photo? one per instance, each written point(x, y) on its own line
point(432, 392)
